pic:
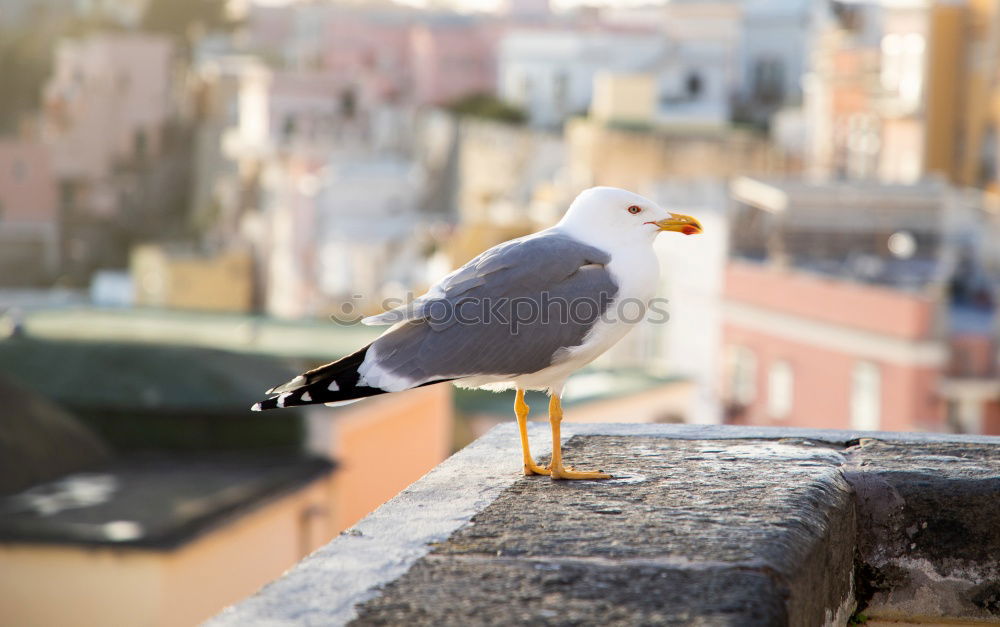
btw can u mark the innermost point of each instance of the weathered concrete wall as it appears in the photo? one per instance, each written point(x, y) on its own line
point(701, 525)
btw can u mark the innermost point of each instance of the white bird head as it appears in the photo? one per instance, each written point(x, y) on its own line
point(614, 216)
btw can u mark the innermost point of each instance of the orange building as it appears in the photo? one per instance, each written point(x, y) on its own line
point(804, 349)
point(812, 351)
point(901, 90)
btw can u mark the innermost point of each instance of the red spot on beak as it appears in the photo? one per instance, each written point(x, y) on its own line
point(689, 230)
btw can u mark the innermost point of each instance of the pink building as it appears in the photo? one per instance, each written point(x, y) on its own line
point(107, 100)
point(807, 350)
point(29, 214)
point(369, 52)
point(453, 58)
point(876, 308)
point(382, 54)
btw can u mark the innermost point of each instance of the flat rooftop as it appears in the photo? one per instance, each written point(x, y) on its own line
point(153, 503)
point(701, 525)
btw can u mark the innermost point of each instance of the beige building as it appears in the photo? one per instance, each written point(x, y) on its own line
point(501, 170)
point(603, 154)
point(628, 98)
point(179, 279)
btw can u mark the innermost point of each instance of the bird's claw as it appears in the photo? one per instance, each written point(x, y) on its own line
point(563, 472)
point(534, 469)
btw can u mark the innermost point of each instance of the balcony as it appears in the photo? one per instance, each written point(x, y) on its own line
point(702, 525)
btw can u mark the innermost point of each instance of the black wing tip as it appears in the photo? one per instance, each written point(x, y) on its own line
point(270, 403)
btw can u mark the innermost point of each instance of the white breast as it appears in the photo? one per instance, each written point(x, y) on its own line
point(637, 274)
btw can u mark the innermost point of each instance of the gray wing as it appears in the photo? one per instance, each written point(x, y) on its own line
point(507, 312)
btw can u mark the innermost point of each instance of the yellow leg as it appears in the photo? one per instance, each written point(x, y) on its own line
point(521, 409)
point(558, 471)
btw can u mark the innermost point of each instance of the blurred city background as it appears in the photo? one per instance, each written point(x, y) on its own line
point(199, 198)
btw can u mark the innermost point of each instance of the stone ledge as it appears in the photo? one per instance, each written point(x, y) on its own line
point(704, 524)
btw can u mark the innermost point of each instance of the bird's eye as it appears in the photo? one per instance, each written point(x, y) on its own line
point(634, 209)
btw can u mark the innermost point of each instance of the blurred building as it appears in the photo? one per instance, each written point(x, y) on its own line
point(860, 306)
point(701, 77)
point(18, 12)
point(601, 153)
point(30, 237)
point(824, 351)
point(550, 73)
point(201, 501)
point(178, 277)
point(773, 55)
point(501, 169)
point(381, 53)
point(120, 154)
point(371, 230)
point(108, 100)
point(343, 232)
point(745, 57)
point(452, 57)
point(901, 90)
point(849, 227)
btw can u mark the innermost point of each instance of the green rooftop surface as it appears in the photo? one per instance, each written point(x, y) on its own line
point(323, 340)
point(154, 396)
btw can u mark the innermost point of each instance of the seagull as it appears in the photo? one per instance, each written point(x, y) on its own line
point(523, 315)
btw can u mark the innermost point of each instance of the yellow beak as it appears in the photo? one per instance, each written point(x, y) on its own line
point(679, 222)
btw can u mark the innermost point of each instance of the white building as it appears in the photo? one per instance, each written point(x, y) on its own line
point(550, 73)
point(774, 51)
point(688, 50)
point(340, 236)
point(702, 73)
point(369, 227)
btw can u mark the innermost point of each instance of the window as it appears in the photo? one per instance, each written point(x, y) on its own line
point(141, 143)
point(693, 84)
point(348, 103)
point(902, 66)
point(769, 80)
point(288, 127)
point(780, 389)
point(866, 397)
point(560, 89)
point(743, 373)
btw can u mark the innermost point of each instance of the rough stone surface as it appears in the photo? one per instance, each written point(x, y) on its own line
point(462, 591)
point(703, 525)
point(732, 532)
point(929, 529)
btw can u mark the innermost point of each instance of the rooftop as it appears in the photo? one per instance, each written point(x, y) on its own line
point(701, 525)
point(143, 396)
point(309, 339)
point(40, 441)
point(155, 503)
point(138, 375)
